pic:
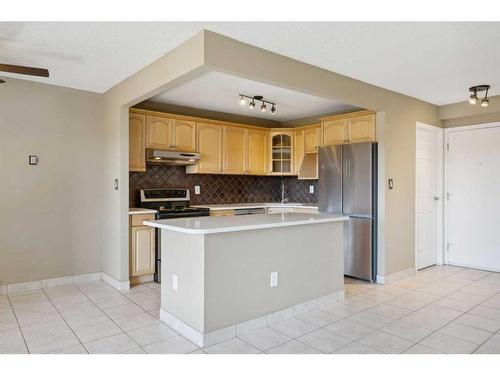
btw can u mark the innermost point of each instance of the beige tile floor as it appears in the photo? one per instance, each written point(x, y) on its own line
point(442, 309)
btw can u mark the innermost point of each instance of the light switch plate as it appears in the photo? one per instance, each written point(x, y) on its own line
point(197, 189)
point(311, 189)
point(174, 282)
point(391, 184)
point(274, 279)
point(33, 160)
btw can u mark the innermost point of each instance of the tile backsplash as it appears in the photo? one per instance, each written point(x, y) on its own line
point(221, 189)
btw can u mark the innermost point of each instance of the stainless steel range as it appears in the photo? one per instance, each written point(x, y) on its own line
point(170, 203)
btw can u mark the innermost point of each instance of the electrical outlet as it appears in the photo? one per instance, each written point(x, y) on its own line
point(311, 189)
point(197, 189)
point(174, 282)
point(274, 279)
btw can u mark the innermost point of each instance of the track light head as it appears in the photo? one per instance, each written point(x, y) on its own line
point(263, 107)
point(273, 109)
point(251, 105)
point(473, 98)
point(485, 102)
point(242, 100)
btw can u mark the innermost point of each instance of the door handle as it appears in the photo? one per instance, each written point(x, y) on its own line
point(436, 198)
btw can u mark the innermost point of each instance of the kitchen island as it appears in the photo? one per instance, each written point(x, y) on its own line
point(225, 274)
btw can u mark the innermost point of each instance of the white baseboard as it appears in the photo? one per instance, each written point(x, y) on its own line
point(210, 338)
point(387, 279)
point(48, 283)
point(122, 286)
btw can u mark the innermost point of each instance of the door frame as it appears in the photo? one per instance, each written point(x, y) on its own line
point(447, 132)
point(440, 238)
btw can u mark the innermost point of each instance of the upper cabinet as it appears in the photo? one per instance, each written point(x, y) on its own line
point(281, 152)
point(234, 146)
point(159, 133)
point(210, 149)
point(257, 151)
point(312, 138)
point(361, 128)
point(334, 132)
point(137, 142)
point(298, 149)
point(184, 135)
point(171, 134)
point(349, 128)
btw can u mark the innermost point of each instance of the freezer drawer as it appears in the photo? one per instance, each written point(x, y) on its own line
point(358, 251)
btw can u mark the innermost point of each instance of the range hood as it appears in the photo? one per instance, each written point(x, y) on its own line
point(309, 167)
point(171, 157)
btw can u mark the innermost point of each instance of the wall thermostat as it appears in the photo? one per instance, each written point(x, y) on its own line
point(33, 160)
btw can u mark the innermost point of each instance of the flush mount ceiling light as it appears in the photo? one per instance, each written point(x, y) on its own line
point(473, 99)
point(259, 98)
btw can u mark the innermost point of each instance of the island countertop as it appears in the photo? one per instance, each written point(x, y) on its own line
point(210, 224)
point(241, 206)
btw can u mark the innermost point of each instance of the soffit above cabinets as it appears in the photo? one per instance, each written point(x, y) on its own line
point(215, 91)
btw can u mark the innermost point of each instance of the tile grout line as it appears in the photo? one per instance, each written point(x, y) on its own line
point(18, 324)
point(67, 324)
point(102, 310)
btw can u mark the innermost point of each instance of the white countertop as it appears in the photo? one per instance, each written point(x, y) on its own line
point(221, 224)
point(243, 206)
point(140, 211)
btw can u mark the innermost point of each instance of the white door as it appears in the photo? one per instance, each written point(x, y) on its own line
point(473, 208)
point(428, 175)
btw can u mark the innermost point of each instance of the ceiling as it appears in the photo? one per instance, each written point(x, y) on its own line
point(435, 62)
point(215, 91)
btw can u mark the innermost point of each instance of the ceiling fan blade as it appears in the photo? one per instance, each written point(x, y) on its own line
point(18, 69)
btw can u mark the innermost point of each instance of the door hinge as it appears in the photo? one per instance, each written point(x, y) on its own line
point(448, 245)
point(448, 196)
point(448, 146)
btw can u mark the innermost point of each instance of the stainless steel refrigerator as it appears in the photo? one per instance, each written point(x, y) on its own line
point(348, 186)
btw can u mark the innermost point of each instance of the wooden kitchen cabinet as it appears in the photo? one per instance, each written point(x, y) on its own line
point(210, 149)
point(142, 247)
point(184, 135)
point(349, 128)
point(158, 132)
point(312, 139)
point(234, 145)
point(334, 132)
point(171, 134)
point(361, 128)
point(137, 142)
point(281, 159)
point(256, 152)
point(298, 149)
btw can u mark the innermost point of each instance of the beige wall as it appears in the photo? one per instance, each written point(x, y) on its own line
point(50, 214)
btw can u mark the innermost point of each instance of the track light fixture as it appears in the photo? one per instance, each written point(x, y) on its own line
point(473, 99)
point(259, 98)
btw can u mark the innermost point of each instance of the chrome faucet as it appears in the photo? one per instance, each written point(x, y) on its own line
point(283, 199)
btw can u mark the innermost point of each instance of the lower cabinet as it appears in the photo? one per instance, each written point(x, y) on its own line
point(142, 249)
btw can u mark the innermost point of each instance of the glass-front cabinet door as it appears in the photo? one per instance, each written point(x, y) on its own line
point(281, 143)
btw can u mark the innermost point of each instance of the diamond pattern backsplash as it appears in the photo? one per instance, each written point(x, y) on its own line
point(221, 189)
